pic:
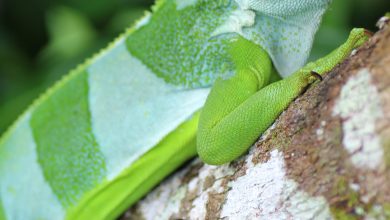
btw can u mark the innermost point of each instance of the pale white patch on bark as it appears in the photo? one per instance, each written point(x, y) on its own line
point(359, 107)
point(199, 210)
point(165, 200)
point(265, 192)
point(321, 130)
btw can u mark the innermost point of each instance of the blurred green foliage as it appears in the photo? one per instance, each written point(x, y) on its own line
point(341, 17)
point(41, 40)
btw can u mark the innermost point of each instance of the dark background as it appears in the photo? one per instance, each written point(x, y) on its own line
point(40, 40)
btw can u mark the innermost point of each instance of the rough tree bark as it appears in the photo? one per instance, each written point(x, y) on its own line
point(326, 157)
